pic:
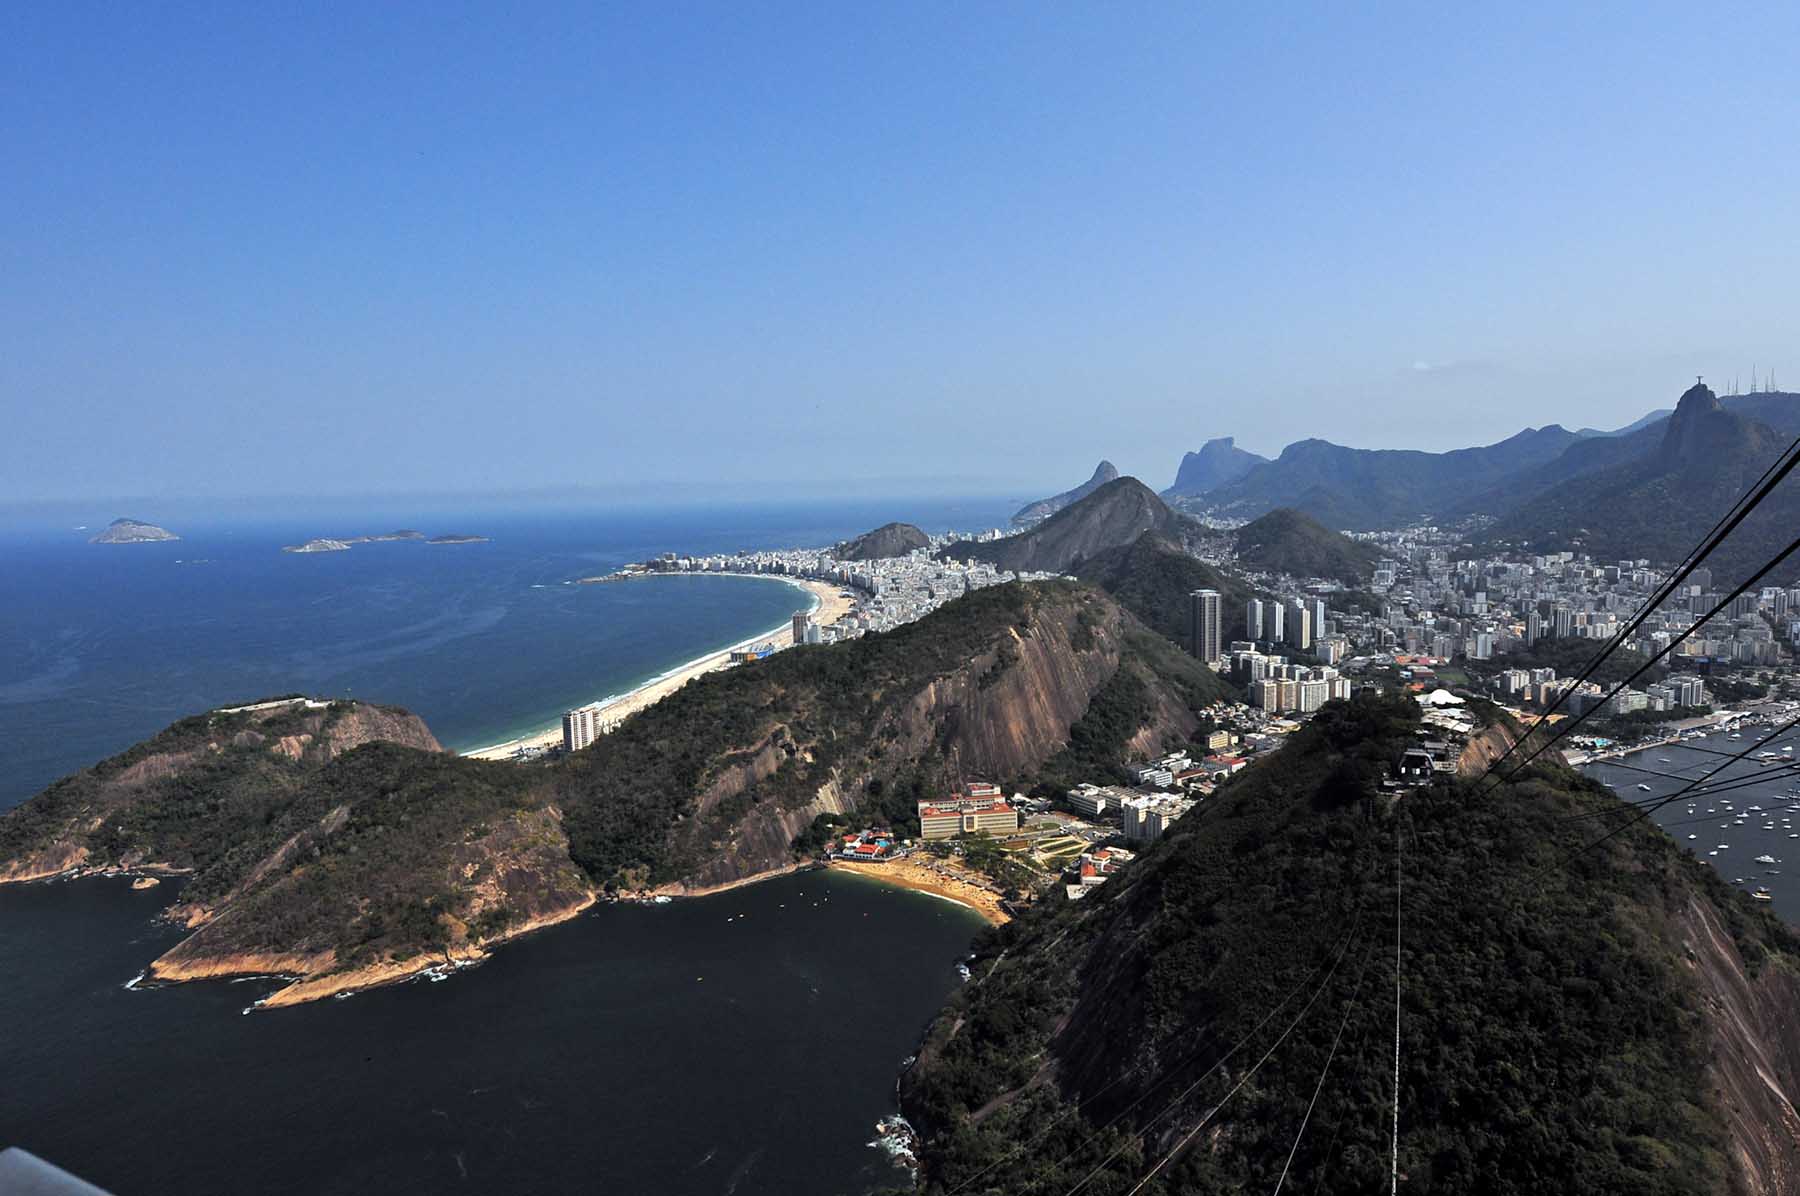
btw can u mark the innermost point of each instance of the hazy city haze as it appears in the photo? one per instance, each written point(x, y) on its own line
point(441, 248)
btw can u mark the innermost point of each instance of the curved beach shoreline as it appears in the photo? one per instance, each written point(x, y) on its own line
point(827, 608)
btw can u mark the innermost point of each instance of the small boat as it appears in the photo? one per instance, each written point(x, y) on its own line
point(1765, 859)
point(1712, 853)
point(1662, 759)
point(1761, 895)
point(1724, 847)
point(1645, 788)
point(1693, 836)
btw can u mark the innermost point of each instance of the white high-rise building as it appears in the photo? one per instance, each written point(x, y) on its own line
point(1207, 624)
point(1253, 619)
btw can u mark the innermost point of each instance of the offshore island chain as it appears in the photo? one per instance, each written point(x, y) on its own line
point(853, 590)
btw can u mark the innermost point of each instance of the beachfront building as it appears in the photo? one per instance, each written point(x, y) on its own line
point(803, 623)
point(982, 809)
point(581, 726)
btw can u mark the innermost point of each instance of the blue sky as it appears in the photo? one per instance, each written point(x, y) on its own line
point(377, 248)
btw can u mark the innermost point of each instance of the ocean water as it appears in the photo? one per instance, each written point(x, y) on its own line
point(1710, 830)
point(743, 1043)
point(103, 645)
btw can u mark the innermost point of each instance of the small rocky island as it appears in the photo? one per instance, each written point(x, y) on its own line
point(343, 543)
point(133, 531)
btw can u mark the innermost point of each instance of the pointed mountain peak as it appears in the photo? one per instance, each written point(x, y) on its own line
point(1698, 397)
point(1104, 472)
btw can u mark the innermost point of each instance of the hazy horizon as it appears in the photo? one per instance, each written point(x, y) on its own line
point(399, 251)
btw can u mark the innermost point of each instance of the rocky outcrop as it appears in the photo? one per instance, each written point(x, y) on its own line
point(1217, 463)
point(1043, 508)
point(514, 877)
point(133, 531)
point(888, 540)
point(1112, 516)
point(1753, 1036)
point(64, 830)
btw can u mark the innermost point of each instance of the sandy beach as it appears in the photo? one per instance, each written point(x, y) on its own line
point(829, 607)
point(927, 874)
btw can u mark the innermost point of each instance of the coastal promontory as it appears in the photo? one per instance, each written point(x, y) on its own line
point(133, 531)
point(888, 540)
point(333, 843)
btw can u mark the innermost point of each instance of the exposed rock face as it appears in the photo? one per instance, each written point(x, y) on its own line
point(999, 714)
point(1043, 508)
point(1753, 1032)
point(133, 531)
point(336, 844)
point(888, 540)
point(1218, 462)
point(514, 878)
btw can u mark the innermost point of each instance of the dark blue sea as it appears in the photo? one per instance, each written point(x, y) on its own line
point(740, 1044)
point(102, 645)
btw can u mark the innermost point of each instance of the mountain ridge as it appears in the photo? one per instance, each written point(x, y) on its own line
point(1043, 508)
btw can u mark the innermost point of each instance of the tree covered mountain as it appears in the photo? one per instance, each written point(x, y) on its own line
point(334, 843)
point(1153, 576)
point(1614, 1022)
point(888, 540)
point(1219, 461)
point(1110, 517)
point(1293, 542)
point(1043, 508)
point(1366, 489)
point(1671, 484)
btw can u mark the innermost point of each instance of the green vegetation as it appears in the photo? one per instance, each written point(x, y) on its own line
point(1568, 655)
point(1293, 542)
point(1552, 1026)
point(1152, 578)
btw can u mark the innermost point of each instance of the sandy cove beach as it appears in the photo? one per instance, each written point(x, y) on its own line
point(831, 606)
point(926, 874)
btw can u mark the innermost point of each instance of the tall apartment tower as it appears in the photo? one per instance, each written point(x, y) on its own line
point(1275, 622)
point(1206, 624)
point(1299, 621)
point(1565, 622)
point(1253, 619)
point(802, 620)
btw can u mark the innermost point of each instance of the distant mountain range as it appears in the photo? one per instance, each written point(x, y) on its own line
point(1043, 508)
point(1366, 489)
point(1656, 492)
point(1118, 524)
point(1218, 462)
